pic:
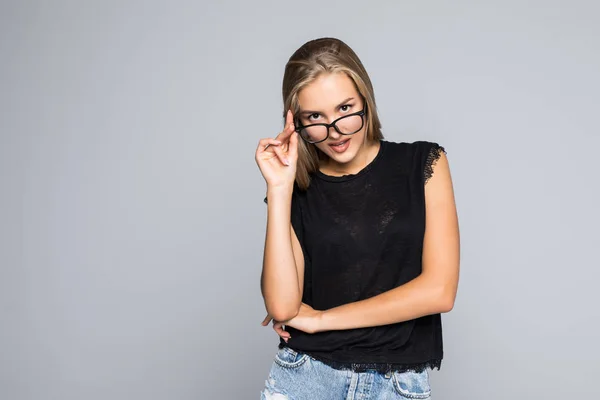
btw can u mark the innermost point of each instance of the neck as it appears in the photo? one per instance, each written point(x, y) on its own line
point(365, 155)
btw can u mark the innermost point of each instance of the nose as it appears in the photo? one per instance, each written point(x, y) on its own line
point(334, 134)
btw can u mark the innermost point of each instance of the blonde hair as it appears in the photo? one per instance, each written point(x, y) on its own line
point(316, 57)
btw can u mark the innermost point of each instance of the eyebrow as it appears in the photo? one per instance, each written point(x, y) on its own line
point(307, 112)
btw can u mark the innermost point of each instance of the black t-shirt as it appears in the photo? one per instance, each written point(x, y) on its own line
point(362, 235)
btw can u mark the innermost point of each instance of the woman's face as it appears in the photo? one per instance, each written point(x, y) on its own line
point(329, 97)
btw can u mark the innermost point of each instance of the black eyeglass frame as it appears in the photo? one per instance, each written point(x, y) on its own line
point(332, 124)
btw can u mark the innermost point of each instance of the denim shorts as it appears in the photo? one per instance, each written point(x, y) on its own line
point(298, 376)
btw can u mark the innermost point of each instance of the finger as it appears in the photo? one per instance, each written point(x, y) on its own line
point(289, 118)
point(280, 331)
point(275, 148)
point(284, 160)
point(293, 147)
point(292, 134)
point(266, 320)
point(287, 131)
point(284, 335)
point(264, 144)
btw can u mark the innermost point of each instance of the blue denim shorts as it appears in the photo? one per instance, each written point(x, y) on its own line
point(298, 376)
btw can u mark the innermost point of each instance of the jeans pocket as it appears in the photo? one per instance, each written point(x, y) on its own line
point(289, 358)
point(412, 385)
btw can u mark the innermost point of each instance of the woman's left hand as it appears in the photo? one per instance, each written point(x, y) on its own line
point(307, 320)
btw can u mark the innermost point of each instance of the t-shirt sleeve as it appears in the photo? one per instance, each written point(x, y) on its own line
point(431, 154)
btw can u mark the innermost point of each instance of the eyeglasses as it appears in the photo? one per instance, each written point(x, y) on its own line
point(346, 125)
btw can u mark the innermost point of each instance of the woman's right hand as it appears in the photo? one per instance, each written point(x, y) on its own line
point(277, 157)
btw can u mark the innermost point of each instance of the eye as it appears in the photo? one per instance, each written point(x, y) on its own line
point(347, 107)
point(316, 115)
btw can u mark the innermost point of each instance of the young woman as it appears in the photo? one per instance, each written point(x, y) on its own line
point(361, 252)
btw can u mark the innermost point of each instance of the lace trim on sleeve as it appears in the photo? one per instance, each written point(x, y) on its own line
point(432, 157)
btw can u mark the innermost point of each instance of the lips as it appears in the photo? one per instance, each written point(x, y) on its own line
point(338, 143)
point(341, 146)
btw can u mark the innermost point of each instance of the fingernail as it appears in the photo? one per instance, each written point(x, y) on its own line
point(286, 161)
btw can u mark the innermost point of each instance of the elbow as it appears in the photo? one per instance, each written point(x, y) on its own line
point(444, 299)
point(282, 307)
point(284, 314)
point(446, 303)
point(447, 306)
point(283, 310)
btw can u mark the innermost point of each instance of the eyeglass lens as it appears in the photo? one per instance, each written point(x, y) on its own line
point(347, 125)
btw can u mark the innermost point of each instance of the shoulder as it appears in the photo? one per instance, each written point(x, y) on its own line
point(417, 145)
point(426, 149)
point(419, 156)
point(429, 154)
point(419, 149)
point(426, 146)
point(396, 150)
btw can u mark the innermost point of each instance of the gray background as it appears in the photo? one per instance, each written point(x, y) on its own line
point(131, 213)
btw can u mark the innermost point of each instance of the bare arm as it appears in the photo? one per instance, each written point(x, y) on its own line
point(282, 278)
